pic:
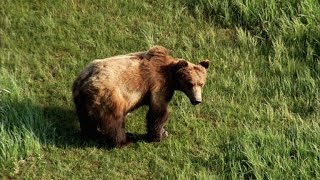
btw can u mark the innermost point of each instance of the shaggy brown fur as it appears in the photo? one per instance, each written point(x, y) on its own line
point(107, 89)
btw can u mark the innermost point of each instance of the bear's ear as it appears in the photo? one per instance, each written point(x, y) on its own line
point(204, 63)
point(181, 64)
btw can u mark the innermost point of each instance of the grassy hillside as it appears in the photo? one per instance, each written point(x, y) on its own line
point(261, 110)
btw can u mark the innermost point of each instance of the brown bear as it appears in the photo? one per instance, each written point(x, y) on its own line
point(107, 89)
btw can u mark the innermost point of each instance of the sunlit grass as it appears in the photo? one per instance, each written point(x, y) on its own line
point(260, 115)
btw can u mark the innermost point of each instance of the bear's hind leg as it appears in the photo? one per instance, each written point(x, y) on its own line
point(88, 126)
point(113, 128)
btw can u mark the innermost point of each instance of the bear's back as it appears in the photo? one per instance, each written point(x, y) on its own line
point(116, 67)
point(118, 77)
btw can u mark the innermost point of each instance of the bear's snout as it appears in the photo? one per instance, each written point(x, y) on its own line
point(196, 97)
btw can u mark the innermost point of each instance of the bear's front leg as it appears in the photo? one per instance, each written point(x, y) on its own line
point(156, 119)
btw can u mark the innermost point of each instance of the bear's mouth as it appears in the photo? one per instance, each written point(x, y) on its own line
point(195, 102)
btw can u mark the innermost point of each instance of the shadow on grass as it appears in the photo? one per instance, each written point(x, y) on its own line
point(52, 125)
point(67, 130)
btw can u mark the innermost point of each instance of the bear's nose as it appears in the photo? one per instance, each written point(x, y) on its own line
point(196, 102)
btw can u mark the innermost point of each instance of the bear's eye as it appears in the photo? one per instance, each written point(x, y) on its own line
point(189, 84)
point(201, 84)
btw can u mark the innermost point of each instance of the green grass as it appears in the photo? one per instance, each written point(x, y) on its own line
point(261, 110)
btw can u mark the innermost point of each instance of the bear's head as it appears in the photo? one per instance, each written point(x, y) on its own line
point(191, 79)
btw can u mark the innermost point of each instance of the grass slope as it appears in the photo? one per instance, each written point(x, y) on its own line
point(259, 120)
